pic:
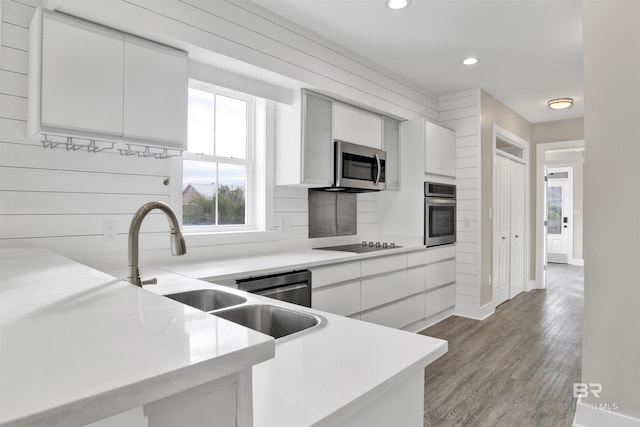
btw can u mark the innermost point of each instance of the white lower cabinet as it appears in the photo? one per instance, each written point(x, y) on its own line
point(395, 290)
point(343, 299)
point(439, 299)
point(383, 289)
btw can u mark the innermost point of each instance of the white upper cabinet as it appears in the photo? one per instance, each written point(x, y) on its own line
point(391, 144)
point(440, 150)
point(79, 66)
point(304, 148)
point(155, 93)
point(89, 81)
point(357, 126)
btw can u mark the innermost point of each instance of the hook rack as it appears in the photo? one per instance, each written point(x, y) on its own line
point(97, 146)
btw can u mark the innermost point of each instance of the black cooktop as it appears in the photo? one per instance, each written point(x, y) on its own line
point(358, 248)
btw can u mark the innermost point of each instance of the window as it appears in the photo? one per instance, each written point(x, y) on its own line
point(217, 167)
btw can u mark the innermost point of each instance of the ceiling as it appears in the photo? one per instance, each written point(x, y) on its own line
point(530, 50)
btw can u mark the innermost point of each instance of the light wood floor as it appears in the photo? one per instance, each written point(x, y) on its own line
point(516, 368)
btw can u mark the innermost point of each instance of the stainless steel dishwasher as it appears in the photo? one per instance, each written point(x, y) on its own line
point(294, 287)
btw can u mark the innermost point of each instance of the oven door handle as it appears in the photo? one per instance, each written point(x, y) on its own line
point(281, 289)
point(379, 167)
point(432, 200)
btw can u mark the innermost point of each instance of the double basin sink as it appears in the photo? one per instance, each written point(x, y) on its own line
point(272, 320)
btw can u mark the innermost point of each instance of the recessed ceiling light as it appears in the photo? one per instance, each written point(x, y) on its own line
point(560, 103)
point(470, 61)
point(397, 4)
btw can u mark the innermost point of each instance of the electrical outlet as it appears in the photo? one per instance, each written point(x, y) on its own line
point(109, 230)
point(285, 224)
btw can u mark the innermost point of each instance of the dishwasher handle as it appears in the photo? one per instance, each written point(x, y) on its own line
point(273, 291)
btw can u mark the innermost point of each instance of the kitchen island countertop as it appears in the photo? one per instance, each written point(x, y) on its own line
point(78, 345)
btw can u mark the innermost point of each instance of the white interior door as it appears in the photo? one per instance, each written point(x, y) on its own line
point(559, 215)
point(517, 232)
point(501, 230)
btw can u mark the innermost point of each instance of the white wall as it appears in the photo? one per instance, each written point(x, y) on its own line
point(461, 112)
point(611, 344)
point(60, 199)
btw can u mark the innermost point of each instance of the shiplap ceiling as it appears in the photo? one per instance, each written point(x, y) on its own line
point(529, 50)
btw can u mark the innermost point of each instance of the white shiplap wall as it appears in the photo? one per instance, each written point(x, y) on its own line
point(61, 199)
point(56, 198)
point(461, 112)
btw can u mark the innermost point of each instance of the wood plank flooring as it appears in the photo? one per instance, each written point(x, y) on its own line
point(516, 368)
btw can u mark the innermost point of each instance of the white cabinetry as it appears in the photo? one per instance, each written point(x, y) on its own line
point(391, 144)
point(304, 147)
point(397, 290)
point(75, 71)
point(357, 126)
point(155, 93)
point(440, 150)
point(92, 82)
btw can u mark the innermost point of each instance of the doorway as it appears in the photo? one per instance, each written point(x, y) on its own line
point(560, 214)
point(510, 217)
point(559, 219)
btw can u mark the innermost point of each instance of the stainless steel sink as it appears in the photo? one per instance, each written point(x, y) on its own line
point(271, 320)
point(208, 299)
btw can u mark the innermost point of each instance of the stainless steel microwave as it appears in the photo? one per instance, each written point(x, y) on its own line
point(358, 168)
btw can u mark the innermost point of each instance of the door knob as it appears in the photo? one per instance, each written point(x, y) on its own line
point(504, 238)
point(517, 236)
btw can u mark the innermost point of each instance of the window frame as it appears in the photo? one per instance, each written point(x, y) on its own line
point(248, 162)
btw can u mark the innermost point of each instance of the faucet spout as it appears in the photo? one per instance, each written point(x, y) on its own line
point(178, 246)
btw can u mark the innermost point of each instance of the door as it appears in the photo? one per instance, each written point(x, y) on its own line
point(501, 230)
point(516, 223)
point(559, 220)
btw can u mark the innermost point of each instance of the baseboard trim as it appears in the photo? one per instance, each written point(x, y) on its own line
point(532, 284)
point(423, 324)
point(591, 416)
point(577, 261)
point(475, 313)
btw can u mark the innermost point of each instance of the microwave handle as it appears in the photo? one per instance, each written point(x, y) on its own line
point(378, 174)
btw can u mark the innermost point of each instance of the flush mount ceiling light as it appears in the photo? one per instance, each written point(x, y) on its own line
point(397, 4)
point(560, 103)
point(470, 61)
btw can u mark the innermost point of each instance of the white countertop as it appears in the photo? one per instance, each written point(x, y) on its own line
point(327, 372)
point(77, 345)
point(255, 265)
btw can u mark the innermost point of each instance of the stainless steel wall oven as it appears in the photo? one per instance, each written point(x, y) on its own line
point(439, 214)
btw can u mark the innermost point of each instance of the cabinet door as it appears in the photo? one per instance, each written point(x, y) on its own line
point(318, 146)
point(81, 76)
point(346, 123)
point(391, 144)
point(370, 129)
point(343, 299)
point(448, 152)
point(380, 290)
point(155, 93)
point(440, 150)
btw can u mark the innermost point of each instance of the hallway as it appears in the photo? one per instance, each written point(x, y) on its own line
point(516, 368)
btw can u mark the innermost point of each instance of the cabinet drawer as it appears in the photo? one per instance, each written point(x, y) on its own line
point(380, 290)
point(440, 253)
point(396, 262)
point(414, 309)
point(440, 273)
point(416, 258)
point(439, 300)
point(373, 266)
point(416, 280)
point(341, 299)
point(323, 276)
point(392, 315)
